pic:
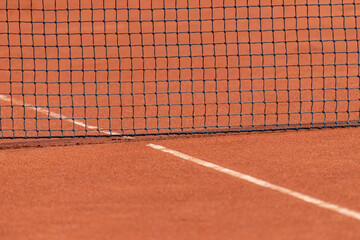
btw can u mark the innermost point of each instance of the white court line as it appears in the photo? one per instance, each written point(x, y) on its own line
point(59, 116)
point(317, 202)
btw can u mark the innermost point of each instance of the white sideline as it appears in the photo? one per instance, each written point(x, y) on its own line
point(59, 116)
point(317, 202)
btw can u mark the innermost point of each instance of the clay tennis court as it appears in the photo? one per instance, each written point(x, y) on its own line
point(149, 119)
point(127, 190)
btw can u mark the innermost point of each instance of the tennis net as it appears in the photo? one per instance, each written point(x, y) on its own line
point(120, 67)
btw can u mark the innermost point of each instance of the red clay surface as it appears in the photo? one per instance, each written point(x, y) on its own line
point(126, 190)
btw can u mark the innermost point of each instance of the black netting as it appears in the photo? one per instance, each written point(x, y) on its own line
point(121, 67)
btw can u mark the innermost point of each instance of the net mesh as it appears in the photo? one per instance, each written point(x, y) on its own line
point(120, 67)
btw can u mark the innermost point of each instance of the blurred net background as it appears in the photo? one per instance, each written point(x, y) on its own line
point(121, 67)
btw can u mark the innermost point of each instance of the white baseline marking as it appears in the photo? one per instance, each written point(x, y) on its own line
point(317, 202)
point(59, 116)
